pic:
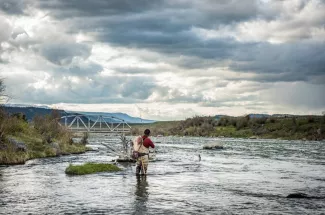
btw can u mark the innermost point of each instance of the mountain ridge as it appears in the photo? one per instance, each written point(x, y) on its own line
point(31, 111)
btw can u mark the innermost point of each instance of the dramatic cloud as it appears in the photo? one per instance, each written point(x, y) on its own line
point(13, 7)
point(180, 56)
point(62, 54)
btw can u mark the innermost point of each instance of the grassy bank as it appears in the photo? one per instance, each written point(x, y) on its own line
point(41, 138)
point(90, 168)
point(290, 128)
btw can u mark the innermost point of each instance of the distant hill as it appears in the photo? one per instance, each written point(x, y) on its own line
point(219, 116)
point(258, 115)
point(32, 111)
point(124, 116)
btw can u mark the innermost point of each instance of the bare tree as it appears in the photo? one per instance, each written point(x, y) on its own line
point(3, 97)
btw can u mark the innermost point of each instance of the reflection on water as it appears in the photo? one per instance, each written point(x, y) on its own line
point(141, 195)
point(247, 177)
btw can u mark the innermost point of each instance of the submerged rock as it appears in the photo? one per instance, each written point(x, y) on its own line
point(298, 196)
point(213, 146)
point(124, 160)
point(303, 196)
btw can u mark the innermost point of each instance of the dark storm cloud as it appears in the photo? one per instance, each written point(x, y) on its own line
point(62, 9)
point(13, 7)
point(282, 77)
point(166, 27)
point(205, 12)
point(114, 89)
point(176, 31)
point(182, 43)
point(63, 53)
point(168, 31)
point(161, 26)
point(291, 62)
point(297, 95)
point(137, 87)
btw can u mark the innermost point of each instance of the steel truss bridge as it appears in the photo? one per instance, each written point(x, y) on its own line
point(95, 124)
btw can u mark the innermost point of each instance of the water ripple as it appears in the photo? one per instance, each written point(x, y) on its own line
point(247, 177)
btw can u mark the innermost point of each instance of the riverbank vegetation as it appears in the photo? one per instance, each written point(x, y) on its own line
point(285, 127)
point(90, 168)
point(43, 137)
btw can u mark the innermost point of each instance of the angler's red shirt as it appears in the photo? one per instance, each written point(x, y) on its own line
point(147, 142)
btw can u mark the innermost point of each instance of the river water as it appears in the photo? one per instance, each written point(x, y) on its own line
point(247, 177)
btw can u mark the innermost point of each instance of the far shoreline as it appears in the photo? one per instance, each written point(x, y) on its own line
point(244, 138)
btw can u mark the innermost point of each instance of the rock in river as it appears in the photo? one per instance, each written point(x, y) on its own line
point(213, 146)
point(298, 196)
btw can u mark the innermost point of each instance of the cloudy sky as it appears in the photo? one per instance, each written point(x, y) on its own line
point(165, 59)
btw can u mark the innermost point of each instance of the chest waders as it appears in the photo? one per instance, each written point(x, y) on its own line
point(143, 160)
point(142, 164)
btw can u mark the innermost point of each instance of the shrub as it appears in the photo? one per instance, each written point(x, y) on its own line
point(260, 121)
point(8, 157)
point(89, 168)
point(223, 121)
point(49, 127)
point(207, 126)
point(135, 131)
point(10, 125)
point(241, 122)
point(20, 116)
point(310, 119)
point(232, 121)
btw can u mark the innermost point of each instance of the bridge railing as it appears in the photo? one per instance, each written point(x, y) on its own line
point(95, 124)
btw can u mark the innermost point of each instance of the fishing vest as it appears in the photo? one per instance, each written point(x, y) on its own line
point(136, 145)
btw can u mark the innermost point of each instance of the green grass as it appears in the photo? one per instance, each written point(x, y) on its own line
point(90, 168)
point(73, 148)
point(10, 157)
point(36, 147)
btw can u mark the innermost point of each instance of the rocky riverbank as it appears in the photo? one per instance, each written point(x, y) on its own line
point(43, 137)
point(18, 152)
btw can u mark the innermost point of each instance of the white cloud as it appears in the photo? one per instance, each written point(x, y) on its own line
point(6, 29)
point(209, 58)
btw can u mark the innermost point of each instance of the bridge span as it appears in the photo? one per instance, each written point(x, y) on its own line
point(95, 124)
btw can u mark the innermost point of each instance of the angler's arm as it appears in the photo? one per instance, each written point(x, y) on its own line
point(151, 144)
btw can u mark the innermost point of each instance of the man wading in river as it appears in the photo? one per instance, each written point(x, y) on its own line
point(141, 145)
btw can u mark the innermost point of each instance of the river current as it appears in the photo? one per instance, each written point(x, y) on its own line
point(246, 177)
